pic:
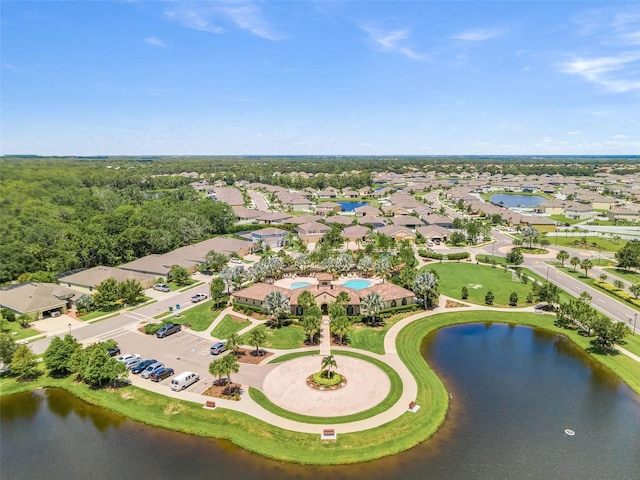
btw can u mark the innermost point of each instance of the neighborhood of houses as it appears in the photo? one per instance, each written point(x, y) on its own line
point(414, 207)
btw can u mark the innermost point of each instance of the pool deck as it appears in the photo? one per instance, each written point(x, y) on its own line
point(289, 281)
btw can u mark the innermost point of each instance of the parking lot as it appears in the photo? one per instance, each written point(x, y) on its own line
point(183, 351)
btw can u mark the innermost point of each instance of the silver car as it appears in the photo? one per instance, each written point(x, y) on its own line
point(153, 368)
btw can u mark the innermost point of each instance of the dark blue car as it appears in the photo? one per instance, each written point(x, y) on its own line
point(142, 365)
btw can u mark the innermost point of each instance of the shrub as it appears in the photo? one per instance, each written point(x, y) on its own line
point(247, 309)
point(458, 256)
point(390, 312)
point(489, 298)
point(322, 380)
point(618, 293)
point(513, 299)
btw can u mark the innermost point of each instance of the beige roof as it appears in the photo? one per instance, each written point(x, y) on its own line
point(355, 231)
point(158, 264)
point(388, 291)
point(32, 297)
point(258, 291)
point(229, 195)
point(92, 277)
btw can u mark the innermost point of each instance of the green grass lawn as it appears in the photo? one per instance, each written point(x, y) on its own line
point(488, 258)
point(633, 277)
point(198, 317)
point(594, 243)
point(479, 279)
point(387, 402)
point(562, 219)
point(291, 336)
point(371, 339)
point(229, 325)
point(16, 331)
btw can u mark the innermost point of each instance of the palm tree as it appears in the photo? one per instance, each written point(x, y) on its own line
point(216, 368)
point(343, 298)
point(372, 304)
point(426, 285)
point(575, 261)
point(306, 299)
point(257, 337)
point(276, 304)
point(340, 326)
point(562, 257)
point(586, 265)
point(233, 342)
point(230, 365)
point(328, 363)
point(311, 324)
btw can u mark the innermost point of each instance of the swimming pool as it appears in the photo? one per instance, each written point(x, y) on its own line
point(295, 285)
point(357, 284)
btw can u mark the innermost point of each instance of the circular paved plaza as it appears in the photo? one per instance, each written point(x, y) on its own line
point(366, 387)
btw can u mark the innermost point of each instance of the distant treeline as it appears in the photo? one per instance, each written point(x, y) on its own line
point(58, 214)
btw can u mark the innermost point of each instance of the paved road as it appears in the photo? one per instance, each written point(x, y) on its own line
point(125, 320)
point(614, 309)
point(259, 201)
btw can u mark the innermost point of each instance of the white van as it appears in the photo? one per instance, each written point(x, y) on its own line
point(184, 380)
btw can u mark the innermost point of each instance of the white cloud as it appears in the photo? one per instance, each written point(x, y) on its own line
point(478, 35)
point(156, 42)
point(393, 41)
point(9, 66)
point(573, 132)
point(620, 136)
point(207, 16)
point(616, 73)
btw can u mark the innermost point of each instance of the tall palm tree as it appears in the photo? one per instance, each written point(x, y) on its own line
point(328, 363)
point(216, 368)
point(586, 265)
point(426, 285)
point(575, 261)
point(276, 304)
point(311, 325)
point(257, 337)
point(340, 326)
point(372, 304)
point(230, 365)
point(343, 298)
point(233, 342)
point(562, 257)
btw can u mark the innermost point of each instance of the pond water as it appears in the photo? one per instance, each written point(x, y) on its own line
point(522, 201)
point(351, 206)
point(514, 392)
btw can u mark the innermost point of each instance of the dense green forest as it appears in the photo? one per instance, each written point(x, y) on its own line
point(59, 214)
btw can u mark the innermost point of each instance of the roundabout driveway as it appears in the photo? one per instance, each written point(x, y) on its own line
point(367, 385)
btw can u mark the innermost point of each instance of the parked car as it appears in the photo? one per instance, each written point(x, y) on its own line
point(184, 380)
point(132, 362)
point(161, 287)
point(112, 352)
point(161, 374)
point(153, 368)
point(168, 329)
point(198, 297)
point(236, 260)
point(126, 356)
point(142, 365)
point(218, 348)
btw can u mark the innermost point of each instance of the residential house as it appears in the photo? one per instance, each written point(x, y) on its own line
point(87, 280)
point(311, 232)
point(623, 214)
point(38, 300)
point(328, 208)
point(407, 221)
point(397, 233)
point(440, 220)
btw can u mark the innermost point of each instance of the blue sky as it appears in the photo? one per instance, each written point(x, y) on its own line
point(318, 77)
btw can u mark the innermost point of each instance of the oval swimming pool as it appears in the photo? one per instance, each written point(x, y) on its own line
point(295, 285)
point(357, 284)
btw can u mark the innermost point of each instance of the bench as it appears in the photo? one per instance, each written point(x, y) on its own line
point(328, 434)
point(210, 404)
point(413, 407)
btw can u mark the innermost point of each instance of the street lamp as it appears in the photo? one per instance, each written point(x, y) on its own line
point(69, 328)
point(547, 273)
point(635, 319)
